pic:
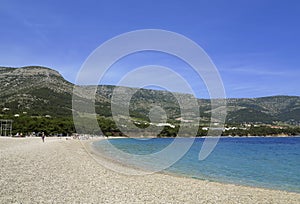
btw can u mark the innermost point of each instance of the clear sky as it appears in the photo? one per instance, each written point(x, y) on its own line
point(254, 44)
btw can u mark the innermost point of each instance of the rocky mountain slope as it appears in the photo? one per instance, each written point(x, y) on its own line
point(40, 91)
point(35, 90)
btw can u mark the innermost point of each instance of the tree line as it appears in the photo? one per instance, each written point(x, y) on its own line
point(65, 126)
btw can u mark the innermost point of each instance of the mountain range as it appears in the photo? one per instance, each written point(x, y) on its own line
point(41, 91)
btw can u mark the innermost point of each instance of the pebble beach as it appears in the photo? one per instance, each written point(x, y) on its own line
point(63, 171)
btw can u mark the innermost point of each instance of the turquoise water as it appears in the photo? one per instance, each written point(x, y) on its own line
point(256, 161)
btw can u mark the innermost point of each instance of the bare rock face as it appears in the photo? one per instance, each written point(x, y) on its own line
point(28, 72)
point(21, 79)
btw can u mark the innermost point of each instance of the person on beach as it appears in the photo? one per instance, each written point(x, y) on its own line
point(43, 136)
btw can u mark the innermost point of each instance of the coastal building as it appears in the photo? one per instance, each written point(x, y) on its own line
point(164, 124)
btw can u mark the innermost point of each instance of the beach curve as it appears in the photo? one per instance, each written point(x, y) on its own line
point(62, 171)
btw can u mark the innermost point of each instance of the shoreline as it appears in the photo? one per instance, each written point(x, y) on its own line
point(62, 171)
point(155, 137)
point(98, 155)
point(245, 136)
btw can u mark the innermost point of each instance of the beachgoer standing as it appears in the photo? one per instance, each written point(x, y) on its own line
point(43, 136)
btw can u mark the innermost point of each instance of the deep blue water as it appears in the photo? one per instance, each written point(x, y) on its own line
point(256, 161)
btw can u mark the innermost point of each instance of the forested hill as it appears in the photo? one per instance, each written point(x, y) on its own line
point(40, 91)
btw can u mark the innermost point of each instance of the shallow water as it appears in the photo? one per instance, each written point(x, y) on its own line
point(253, 161)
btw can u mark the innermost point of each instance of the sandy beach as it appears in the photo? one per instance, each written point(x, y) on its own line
point(62, 171)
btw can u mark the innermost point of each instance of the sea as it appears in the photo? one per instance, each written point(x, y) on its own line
point(267, 162)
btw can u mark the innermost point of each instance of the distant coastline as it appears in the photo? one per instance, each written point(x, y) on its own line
point(227, 136)
point(38, 99)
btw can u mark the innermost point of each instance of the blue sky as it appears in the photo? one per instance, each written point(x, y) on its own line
point(254, 44)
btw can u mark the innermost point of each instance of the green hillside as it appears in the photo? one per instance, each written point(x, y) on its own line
point(40, 92)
